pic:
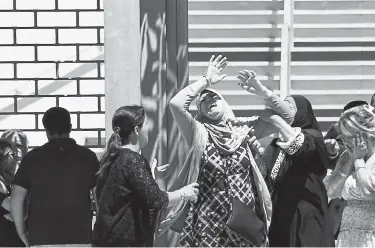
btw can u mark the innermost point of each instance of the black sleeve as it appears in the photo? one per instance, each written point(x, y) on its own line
point(95, 169)
point(306, 143)
point(332, 132)
point(312, 144)
point(22, 176)
point(138, 174)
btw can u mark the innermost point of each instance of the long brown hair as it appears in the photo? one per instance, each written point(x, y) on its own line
point(124, 121)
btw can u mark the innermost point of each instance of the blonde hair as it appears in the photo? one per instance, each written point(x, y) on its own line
point(356, 120)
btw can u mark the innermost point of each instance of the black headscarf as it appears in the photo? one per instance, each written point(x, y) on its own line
point(305, 117)
point(306, 120)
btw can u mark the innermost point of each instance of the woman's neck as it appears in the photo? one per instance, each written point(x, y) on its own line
point(133, 147)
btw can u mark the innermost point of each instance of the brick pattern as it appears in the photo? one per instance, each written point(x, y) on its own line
point(51, 54)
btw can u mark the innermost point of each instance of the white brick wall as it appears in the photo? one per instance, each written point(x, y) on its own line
point(18, 121)
point(82, 103)
point(17, 19)
point(52, 59)
point(81, 4)
point(57, 87)
point(35, 4)
point(59, 19)
point(36, 70)
point(57, 53)
point(7, 71)
point(84, 36)
point(78, 70)
point(35, 104)
point(95, 86)
point(6, 36)
point(36, 36)
point(6, 4)
point(17, 87)
point(7, 104)
point(91, 19)
point(92, 120)
point(90, 52)
point(17, 53)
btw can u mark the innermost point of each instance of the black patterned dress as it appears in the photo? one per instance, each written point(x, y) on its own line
point(205, 225)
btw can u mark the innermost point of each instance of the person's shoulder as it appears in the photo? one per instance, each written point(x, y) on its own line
point(36, 152)
point(85, 150)
point(131, 157)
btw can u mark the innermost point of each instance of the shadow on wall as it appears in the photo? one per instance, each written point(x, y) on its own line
point(160, 81)
point(52, 87)
point(164, 72)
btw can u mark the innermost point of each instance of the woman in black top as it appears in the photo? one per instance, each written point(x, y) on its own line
point(8, 167)
point(130, 202)
point(297, 164)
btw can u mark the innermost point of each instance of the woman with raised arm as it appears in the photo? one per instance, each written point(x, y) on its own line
point(233, 206)
point(130, 201)
point(354, 178)
point(297, 164)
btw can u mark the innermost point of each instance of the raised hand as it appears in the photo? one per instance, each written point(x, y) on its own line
point(251, 83)
point(360, 146)
point(332, 146)
point(215, 67)
point(254, 145)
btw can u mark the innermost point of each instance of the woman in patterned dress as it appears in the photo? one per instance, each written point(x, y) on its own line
point(354, 178)
point(220, 160)
point(297, 164)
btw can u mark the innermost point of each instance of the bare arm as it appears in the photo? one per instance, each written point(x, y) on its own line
point(365, 179)
point(335, 181)
point(17, 210)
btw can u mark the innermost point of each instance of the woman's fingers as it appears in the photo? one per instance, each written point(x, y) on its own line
point(212, 58)
point(222, 61)
point(218, 58)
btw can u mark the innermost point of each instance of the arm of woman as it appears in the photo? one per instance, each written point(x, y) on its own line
point(139, 176)
point(179, 106)
point(335, 181)
point(361, 184)
point(252, 84)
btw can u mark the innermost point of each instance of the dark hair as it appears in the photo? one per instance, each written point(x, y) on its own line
point(7, 162)
point(372, 103)
point(56, 120)
point(124, 121)
point(353, 104)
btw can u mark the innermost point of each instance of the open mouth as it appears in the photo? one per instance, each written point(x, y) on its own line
point(213, 105)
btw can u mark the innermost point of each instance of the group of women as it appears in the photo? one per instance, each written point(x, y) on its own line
point(227, 194)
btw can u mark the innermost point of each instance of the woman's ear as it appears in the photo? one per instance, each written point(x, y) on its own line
point(136, 130)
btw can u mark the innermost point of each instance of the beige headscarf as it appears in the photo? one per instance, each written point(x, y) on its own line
point(226, 133)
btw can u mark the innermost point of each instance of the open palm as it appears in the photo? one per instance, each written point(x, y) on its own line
point(215, 67)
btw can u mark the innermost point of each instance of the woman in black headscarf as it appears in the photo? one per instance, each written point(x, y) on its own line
point(297, 164)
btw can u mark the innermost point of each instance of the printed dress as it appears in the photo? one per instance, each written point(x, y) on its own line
point(218, 177)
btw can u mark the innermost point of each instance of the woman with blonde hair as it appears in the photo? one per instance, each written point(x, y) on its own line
point(354, 177)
